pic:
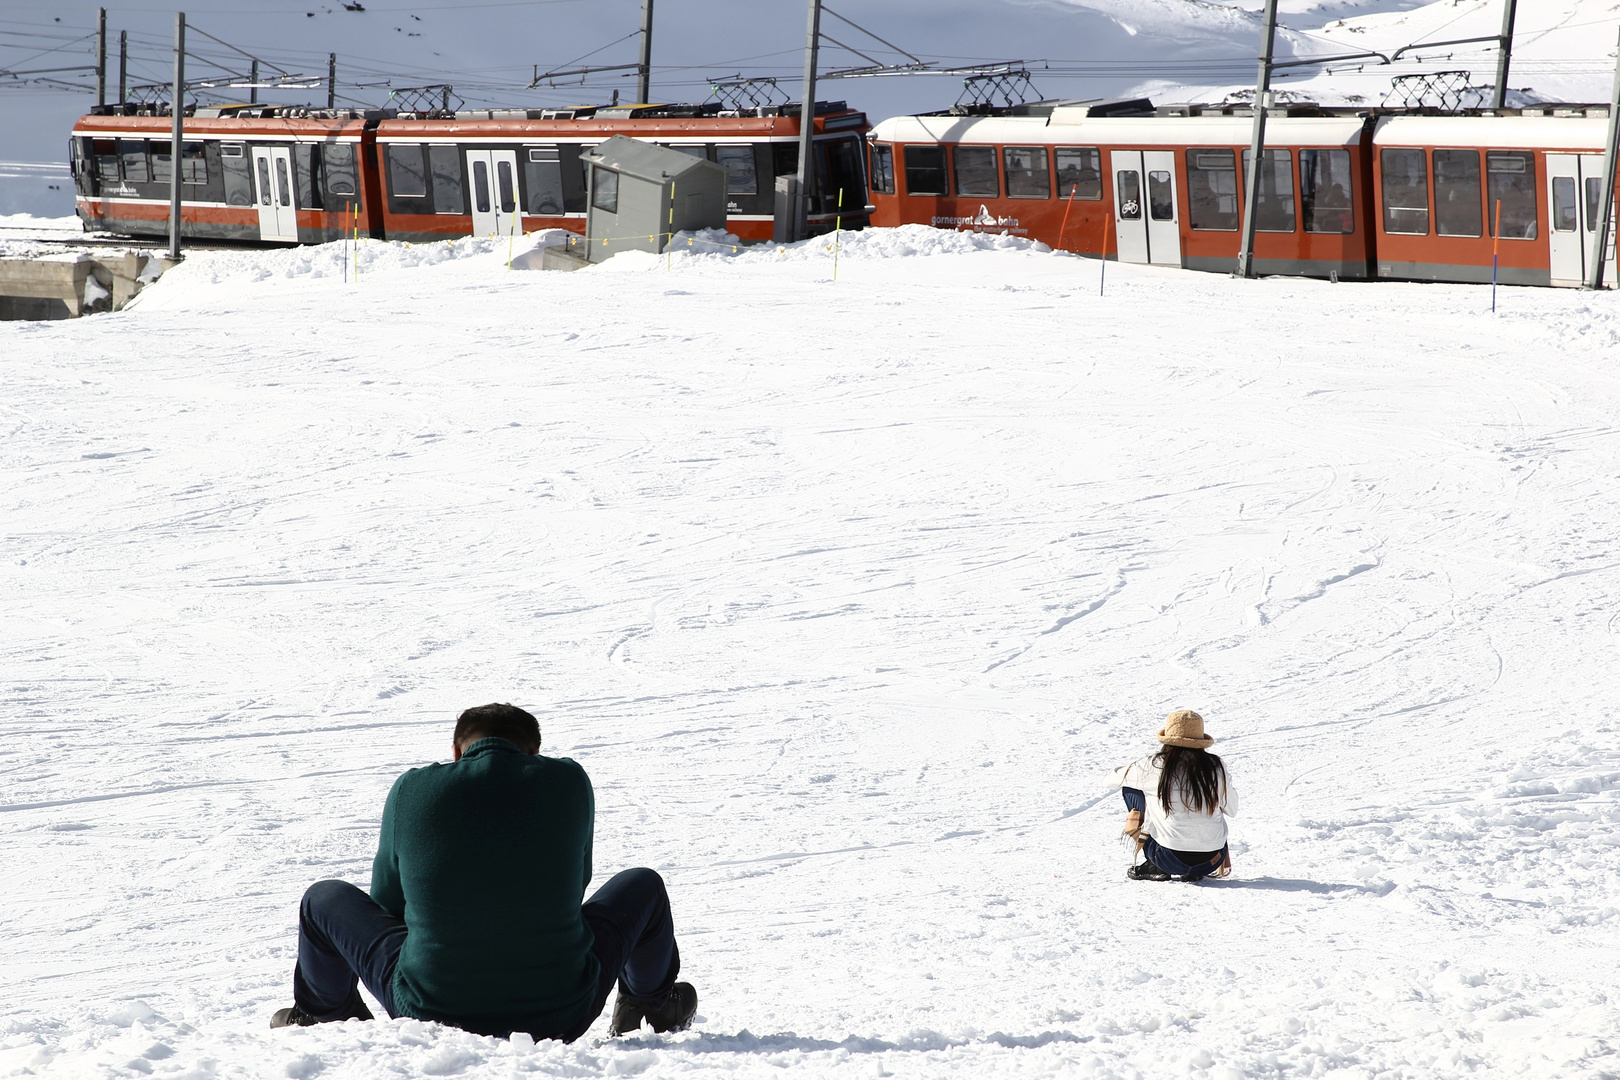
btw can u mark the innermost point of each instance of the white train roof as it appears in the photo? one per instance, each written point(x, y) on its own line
point(1504, 132)
point(1120, 130)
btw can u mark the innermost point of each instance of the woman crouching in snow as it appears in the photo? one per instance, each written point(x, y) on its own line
point(1179, 799)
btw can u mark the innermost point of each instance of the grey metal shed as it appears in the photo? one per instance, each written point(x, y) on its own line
point(634, 186)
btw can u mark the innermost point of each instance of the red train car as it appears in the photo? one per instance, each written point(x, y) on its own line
point(1342, 194)
point(493, 173)
point(276, 177)
point(1440, 179)
point(297, 175)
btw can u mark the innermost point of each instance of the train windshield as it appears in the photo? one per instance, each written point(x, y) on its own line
point(843, 184)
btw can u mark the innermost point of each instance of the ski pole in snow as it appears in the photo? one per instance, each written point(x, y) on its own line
point(1496, 247)
point(1064, 230)
point(1108, 226)
point(838, 228)
point(669, 244)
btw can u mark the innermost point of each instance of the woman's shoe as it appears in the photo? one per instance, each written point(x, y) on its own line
point(1146, 871)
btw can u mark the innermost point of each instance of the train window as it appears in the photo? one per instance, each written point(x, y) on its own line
point(1406, 192)
point(741, 177)
point(481, 186)
point(264, 181)
point(1594, 192)
point(605, 189)
point(785, 158)
point(162, 164)
point(1212, 190)
point(1456, 193)
point(193, 163)
point(883, 168)
point(1161, 196)
point(976, 171)
point(132, 152)
point(1274, 208)
point(342, 179)
point(504, 186)
point(407, 173)
point(1079, 172)
point(283, 182)
point(1565, 212)
point(238, 181)
point(106, 155)
point(925, 170)
point(1324, 191)
point(1510, 178)
point(1027, 176)
point(543, 171)
point(1128, 189)
point(444, 165)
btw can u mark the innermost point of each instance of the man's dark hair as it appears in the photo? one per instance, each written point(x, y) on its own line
point(497, 721)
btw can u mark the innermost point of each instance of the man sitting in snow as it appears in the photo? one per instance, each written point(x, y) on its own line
point(475, 916)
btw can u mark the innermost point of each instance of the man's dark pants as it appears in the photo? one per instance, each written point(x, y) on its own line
point(344, 937)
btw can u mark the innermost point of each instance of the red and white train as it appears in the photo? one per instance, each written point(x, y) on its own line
point(1342, 194)
point(301, 175)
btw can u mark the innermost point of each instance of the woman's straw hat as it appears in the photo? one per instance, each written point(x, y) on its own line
point(1185, 728)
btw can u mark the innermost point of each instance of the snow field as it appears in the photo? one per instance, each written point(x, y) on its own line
point(848, 596)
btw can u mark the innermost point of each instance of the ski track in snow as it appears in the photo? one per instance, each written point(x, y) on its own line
point(847, 595)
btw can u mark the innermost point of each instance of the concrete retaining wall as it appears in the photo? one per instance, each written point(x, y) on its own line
point(66, 288)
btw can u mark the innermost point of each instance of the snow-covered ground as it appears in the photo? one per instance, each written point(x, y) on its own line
point(847, 594)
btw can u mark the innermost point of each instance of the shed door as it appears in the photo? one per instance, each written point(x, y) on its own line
point(1130, 206)
point(1163, 219)
point(274, 190)
point(492, 181)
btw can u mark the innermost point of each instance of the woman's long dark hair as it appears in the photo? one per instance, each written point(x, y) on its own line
point(1199, 775)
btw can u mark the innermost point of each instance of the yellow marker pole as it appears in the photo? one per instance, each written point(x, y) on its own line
point(838, 230)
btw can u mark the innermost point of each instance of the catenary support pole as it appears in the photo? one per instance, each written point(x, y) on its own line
point(123, 66)
point(253, 79)
point(1257, 143)
point(644, 69)
point(807, 121)
point(176, 130)
point(331, 80)
point(1504, 54)
point(101, 56)
point(1602, 237)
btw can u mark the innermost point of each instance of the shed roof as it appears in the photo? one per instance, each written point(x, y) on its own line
point(645, 160)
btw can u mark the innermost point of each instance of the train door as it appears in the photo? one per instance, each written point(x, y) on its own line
point(492, 179)
point(1130, 206)
point(1163, 224)
point(1574, 201)
point(273, 183)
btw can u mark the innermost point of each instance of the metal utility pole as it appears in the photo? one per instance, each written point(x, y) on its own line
point(807, 121)
point(1504, 53)
point(644, 69)
point(331, 80)
point(176, 131)
point(253, 79)
point(1257, 144)
point(123, 66)
point(101, 56)
point(1603, 237)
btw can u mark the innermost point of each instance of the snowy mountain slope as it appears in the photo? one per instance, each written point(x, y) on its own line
point(847, 595)
point(1169, 49)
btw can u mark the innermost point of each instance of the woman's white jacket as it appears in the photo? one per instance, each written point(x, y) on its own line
point(1183, 828)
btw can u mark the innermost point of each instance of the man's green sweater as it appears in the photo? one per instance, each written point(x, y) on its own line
point(487, 860)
